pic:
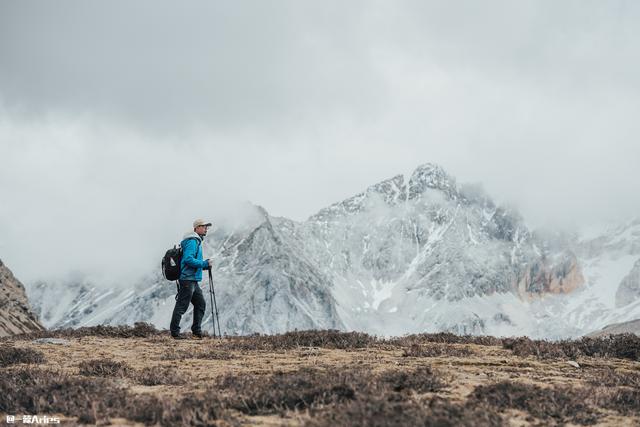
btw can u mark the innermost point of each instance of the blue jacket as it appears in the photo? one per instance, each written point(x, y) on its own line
point(192, 263)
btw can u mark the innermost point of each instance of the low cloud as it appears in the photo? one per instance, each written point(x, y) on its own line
point(113, 138)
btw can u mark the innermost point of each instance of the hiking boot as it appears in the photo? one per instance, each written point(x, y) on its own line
point(178, 337)
point(197, 336)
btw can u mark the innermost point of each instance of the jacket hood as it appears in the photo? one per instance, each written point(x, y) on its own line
point(192, 235)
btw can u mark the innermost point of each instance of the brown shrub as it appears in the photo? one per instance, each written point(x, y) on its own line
point(33, 391)
point(444, 413)
point(623, 346)
point(524, 347)
point(138, 330)
point(104, 368)
point(190, 410)
point(422, 380)
point(392, 410)
point(206, 354)
point(560, 405)
point(621, 399)
point(436, 350)
point(12, 355)
point(373, 411)
point(157, 376)
point(625, 401)
point(197, 411)
point(95, 400)
point(609, 377)
point(253, 394)
point(309, 388)
point(293, 340)
point(443, 338)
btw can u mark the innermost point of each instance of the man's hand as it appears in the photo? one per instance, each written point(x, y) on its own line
point(210, 261)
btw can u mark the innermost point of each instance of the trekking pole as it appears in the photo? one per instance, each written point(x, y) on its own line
point(213, 298)
point(213, 319)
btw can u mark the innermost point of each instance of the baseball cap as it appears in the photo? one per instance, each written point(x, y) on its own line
point(199, 222)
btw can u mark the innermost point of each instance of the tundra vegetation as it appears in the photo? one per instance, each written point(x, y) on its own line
point(123, 375)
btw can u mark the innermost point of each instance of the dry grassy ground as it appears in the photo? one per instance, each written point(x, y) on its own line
point(139, 376)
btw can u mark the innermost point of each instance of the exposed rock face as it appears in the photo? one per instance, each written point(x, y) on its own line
point(16, 316)
point(546, 277)
point(433, 177)
point(629, 289)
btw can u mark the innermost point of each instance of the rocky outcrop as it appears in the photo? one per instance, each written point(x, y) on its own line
point(545, 277)
point(431, 176)
point(16, 316)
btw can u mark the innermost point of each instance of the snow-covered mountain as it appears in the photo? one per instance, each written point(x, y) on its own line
point(423, 254)
point(611, 262)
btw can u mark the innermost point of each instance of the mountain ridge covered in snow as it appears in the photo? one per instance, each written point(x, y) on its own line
point(419, 255)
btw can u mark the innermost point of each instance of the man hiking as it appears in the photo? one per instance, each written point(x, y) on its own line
point(191, 267)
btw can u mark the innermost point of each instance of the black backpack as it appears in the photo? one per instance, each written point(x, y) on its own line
point(171, 262)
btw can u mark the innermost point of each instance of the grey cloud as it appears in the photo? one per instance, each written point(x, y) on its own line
point(296, 105)
point(167, 65)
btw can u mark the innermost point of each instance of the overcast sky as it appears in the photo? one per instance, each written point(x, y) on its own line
point(120, 121)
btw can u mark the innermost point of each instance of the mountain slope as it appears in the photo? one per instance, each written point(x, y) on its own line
point(16, 316)
point(403, 256)
point(406, 257)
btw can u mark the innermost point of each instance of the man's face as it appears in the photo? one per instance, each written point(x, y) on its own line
point(202, 230)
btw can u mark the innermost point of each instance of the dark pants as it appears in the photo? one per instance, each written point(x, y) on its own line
point(189, 292)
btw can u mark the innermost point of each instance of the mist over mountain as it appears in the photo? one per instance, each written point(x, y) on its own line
point(408, 254)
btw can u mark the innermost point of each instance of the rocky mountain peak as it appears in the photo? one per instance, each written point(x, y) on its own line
point(392, 191)
point(433, 176)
